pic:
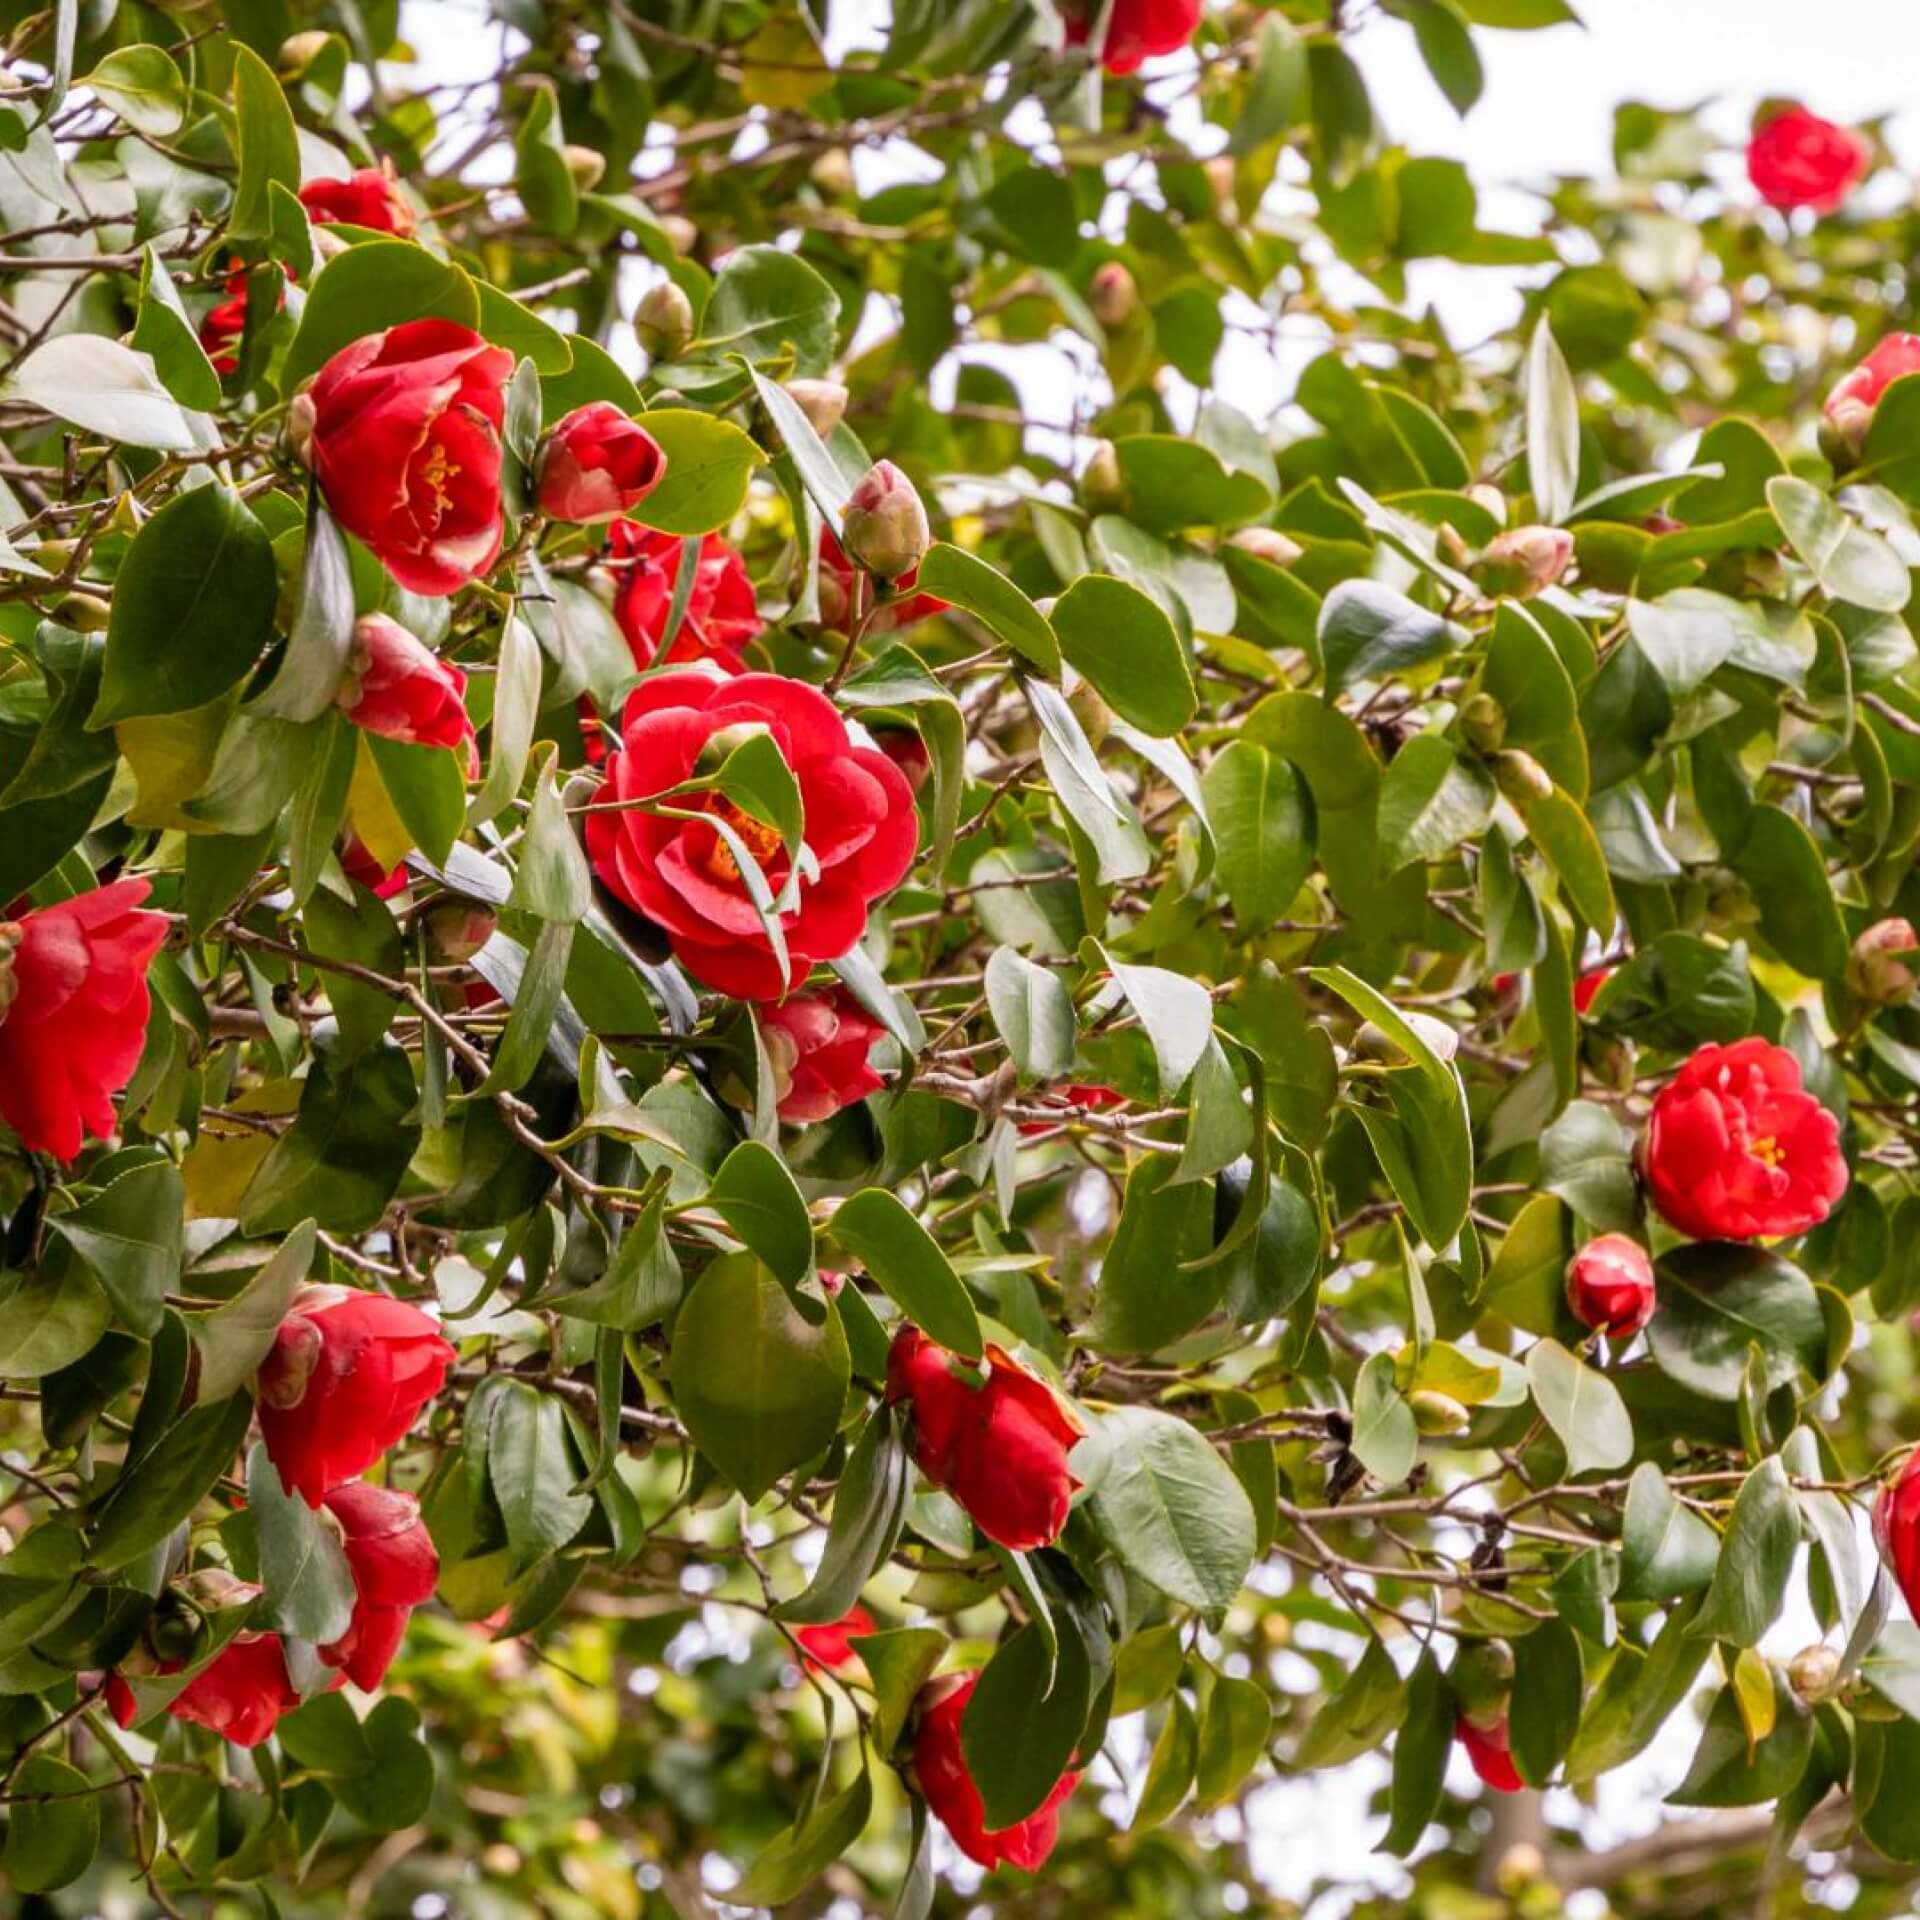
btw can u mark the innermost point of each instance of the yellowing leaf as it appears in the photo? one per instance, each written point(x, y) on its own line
point(372, 816)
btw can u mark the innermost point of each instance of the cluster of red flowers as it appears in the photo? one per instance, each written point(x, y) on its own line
point(1139, 30)
point(347, 1376)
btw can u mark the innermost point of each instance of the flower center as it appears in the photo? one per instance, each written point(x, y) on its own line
point(438, 470)
point(1766, 1150)
point(761, 840)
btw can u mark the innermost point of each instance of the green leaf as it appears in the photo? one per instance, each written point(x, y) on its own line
point(802, 1854)
point(756, 1196)
point(1586, 1157)
point(236, 1336)
point(1173, 483)
point(49, 1319)
point(1233, 1736)
point(266, 143)
point(1369, 1704)
point(1667, 1550)
point(1553, 427)
point(427, 787)
point(1562, 831)
point(143, 86)
point(131, 1235)
point(1799, 915)
point(898, 1664)
point(1717, 1300)
point(1369, 632)
point(878, 1232)
point(192, 607)
point(766, 301)
point(1170, 1768)
point(869, 1509)
point(377, 284)
point(358, 929)
point(1547, 1690)
point(1124, 644)
point(1171, 1508)
point(1678, 992)
point(1262, 823)
point(1033, 1012)
point(1756, 1559)
point(105, 388)
point(1847, 561)
point(1151, 1289)
point(553, 879)
point(969, 583)
point(760, 1389)
point(1431, 800)
point(379, 1769)
point(1385, 1439)
point(533, 1472)
point(53, 1825)
point(710, 464)
point(545, 181)
point(1021, 1729)
point(1420, 1757)
point(1177, 1014)
point(145, 1505)
point(321, 637)
point(1730, 1769)
point(1086, 795)
point(1582, 1406)
point(307, 1586)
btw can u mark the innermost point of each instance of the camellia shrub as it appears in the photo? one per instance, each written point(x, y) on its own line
point(770, 1135)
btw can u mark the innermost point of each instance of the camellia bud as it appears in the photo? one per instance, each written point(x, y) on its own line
point(1101, 483)
point(1523, 561)
point(1812, 1671)
point(1876, 971)
point(460, 928)
point(1268, 544)
point(1437, 1414)
point(1093, 713)
point(299, 51)
point(1520, 1866)
point(298, 431)
point(1113, 294)
point(83, 612)
point(824, 402)
point(1220, 177)
point(1482, 1680)
point(664, 320)
point(11, 934)
point(885, 531)
point(587, 166)
point(1610, 1286)
point(1483, 723)
point(1483, 494)
point(1521, 777)
point(832, 172)
point(1849, 410)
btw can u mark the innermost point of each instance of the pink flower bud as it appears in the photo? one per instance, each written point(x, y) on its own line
point(824, 402)
point(1875, 969)
point(1850, 407)
point(401, 690)
point(664, 320)
point(1610, 1285)
point(1112, 294)
point(597, 465)
point(886, 531)
point(1523, 561)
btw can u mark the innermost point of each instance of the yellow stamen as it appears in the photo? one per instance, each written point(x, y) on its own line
point(437, 470)
point(762, 841)
point(1767, 1151)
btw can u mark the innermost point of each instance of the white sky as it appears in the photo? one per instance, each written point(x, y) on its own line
point(1547, 109)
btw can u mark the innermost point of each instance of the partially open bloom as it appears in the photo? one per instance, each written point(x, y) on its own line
point(1610, 1285)
point(1880, 967)
point(1487, 1747)
point(1896, 1527)
point(817, 1045)
point(941, 1770)
point(368, 197)
point(861, 829)
point(348, 1372)
point(399, 688)
point(1736, 1149)
point(403, 428)
point(1797, 159)
point(73, 1013)
point(394, 1569)
point(1849, 410)
point(999, 1447)
point(721, 613)
point(829, 1648)
point(598, 464)
point(1139, 30)
point(241, 1694)
point(884, 530)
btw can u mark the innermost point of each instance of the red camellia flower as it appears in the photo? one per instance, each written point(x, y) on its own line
point(1735, 1149)
point(1610, 1285)
point(357, 862)
point(940, 1768)
point(240, 1694)
point(394, 1569)
point(73, 1013)
point(369, 197)
point(818, 1045)
point(1000, 1448)
point(1848, 413)
point(861, 829)
point(1896, 1527)
point(224, 324)
point(1139, 30)
point(1796, 159)
point(721, 616)
point(598, 464)
point(401, 689)
point(1490, 1753)
point(904, 609)
point(348, 1372)
point(403, 429)
point(829, 1647)
point(1588, 985)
